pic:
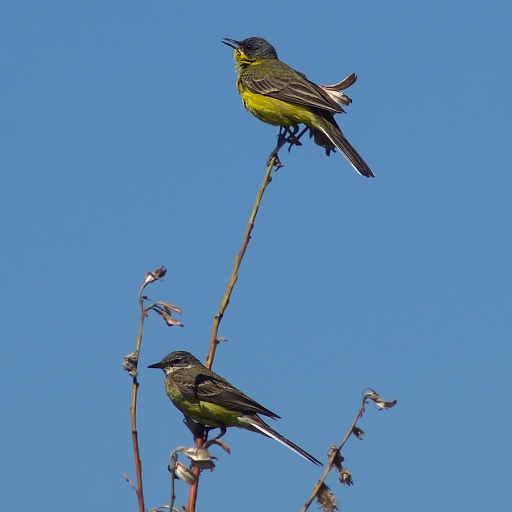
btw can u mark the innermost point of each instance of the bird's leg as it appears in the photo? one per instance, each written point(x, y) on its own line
point(200, 431)
point(223, 430)
point(293, 139)
point(281, 141)
point(287, 135)
point(291, 132)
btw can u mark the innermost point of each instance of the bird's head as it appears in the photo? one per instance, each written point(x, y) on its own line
point(175, 360)
point(251, 49)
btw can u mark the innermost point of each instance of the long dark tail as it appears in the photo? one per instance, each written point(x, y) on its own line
point(259, 425)
point(330, 129)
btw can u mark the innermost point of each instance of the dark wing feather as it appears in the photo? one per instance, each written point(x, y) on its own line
point(284, 83)
point(210, 387)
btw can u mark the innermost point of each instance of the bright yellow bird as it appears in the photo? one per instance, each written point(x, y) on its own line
point(277, 94)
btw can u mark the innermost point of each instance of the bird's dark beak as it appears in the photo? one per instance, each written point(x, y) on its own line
point(157, 365)
point(231, 42)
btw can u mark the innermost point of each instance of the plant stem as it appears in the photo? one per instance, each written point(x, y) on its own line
point(333, 456)
point(238, 261)
point(133, 413)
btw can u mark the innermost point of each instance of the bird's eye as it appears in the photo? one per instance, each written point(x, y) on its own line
point(248, 47)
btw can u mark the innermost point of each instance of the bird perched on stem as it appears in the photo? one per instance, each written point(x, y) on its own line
point(277, 94)
point(207, 398)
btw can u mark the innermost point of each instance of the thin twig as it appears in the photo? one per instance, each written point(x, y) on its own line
point(173, 493)
point(238, 261)
point(192, 494)
point(334, 456)
point(192, 497)
point(133, 412)
point(131, 362)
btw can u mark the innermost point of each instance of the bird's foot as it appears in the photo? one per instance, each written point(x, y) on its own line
point(207, 430)
point(291, 137)
point(274, 159)
point(287, 135)
point(294, 140)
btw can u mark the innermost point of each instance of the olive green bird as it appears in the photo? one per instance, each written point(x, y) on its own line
point(277, 94)
point(207, 398)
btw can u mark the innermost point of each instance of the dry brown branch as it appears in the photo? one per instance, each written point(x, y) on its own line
point(336, 459)
point(130, 364)
point(238, 261)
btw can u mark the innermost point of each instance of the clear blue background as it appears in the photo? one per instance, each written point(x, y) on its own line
point(125, 147)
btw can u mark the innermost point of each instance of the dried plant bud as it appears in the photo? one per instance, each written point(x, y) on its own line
point(344, 474)
point(200, 457)
point(184, 473)
point(151, 277)
point(338, 459)
point(218, 442)
point(130, 483)
point(164, 309)
point(358, 433)
point(130, 364)
point(204, 464)
point(326, 499)
point(194, 453)
point(159, 272)
point(169, 307)
point(169, 320)
point(182, 449)
point(377, 400)
point(345, 477)
point(200, 454)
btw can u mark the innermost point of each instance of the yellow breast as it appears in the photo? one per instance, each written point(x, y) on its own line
point(273, 111)
point(203, 412)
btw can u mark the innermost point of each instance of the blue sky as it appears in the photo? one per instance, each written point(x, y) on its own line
point(125, 147)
